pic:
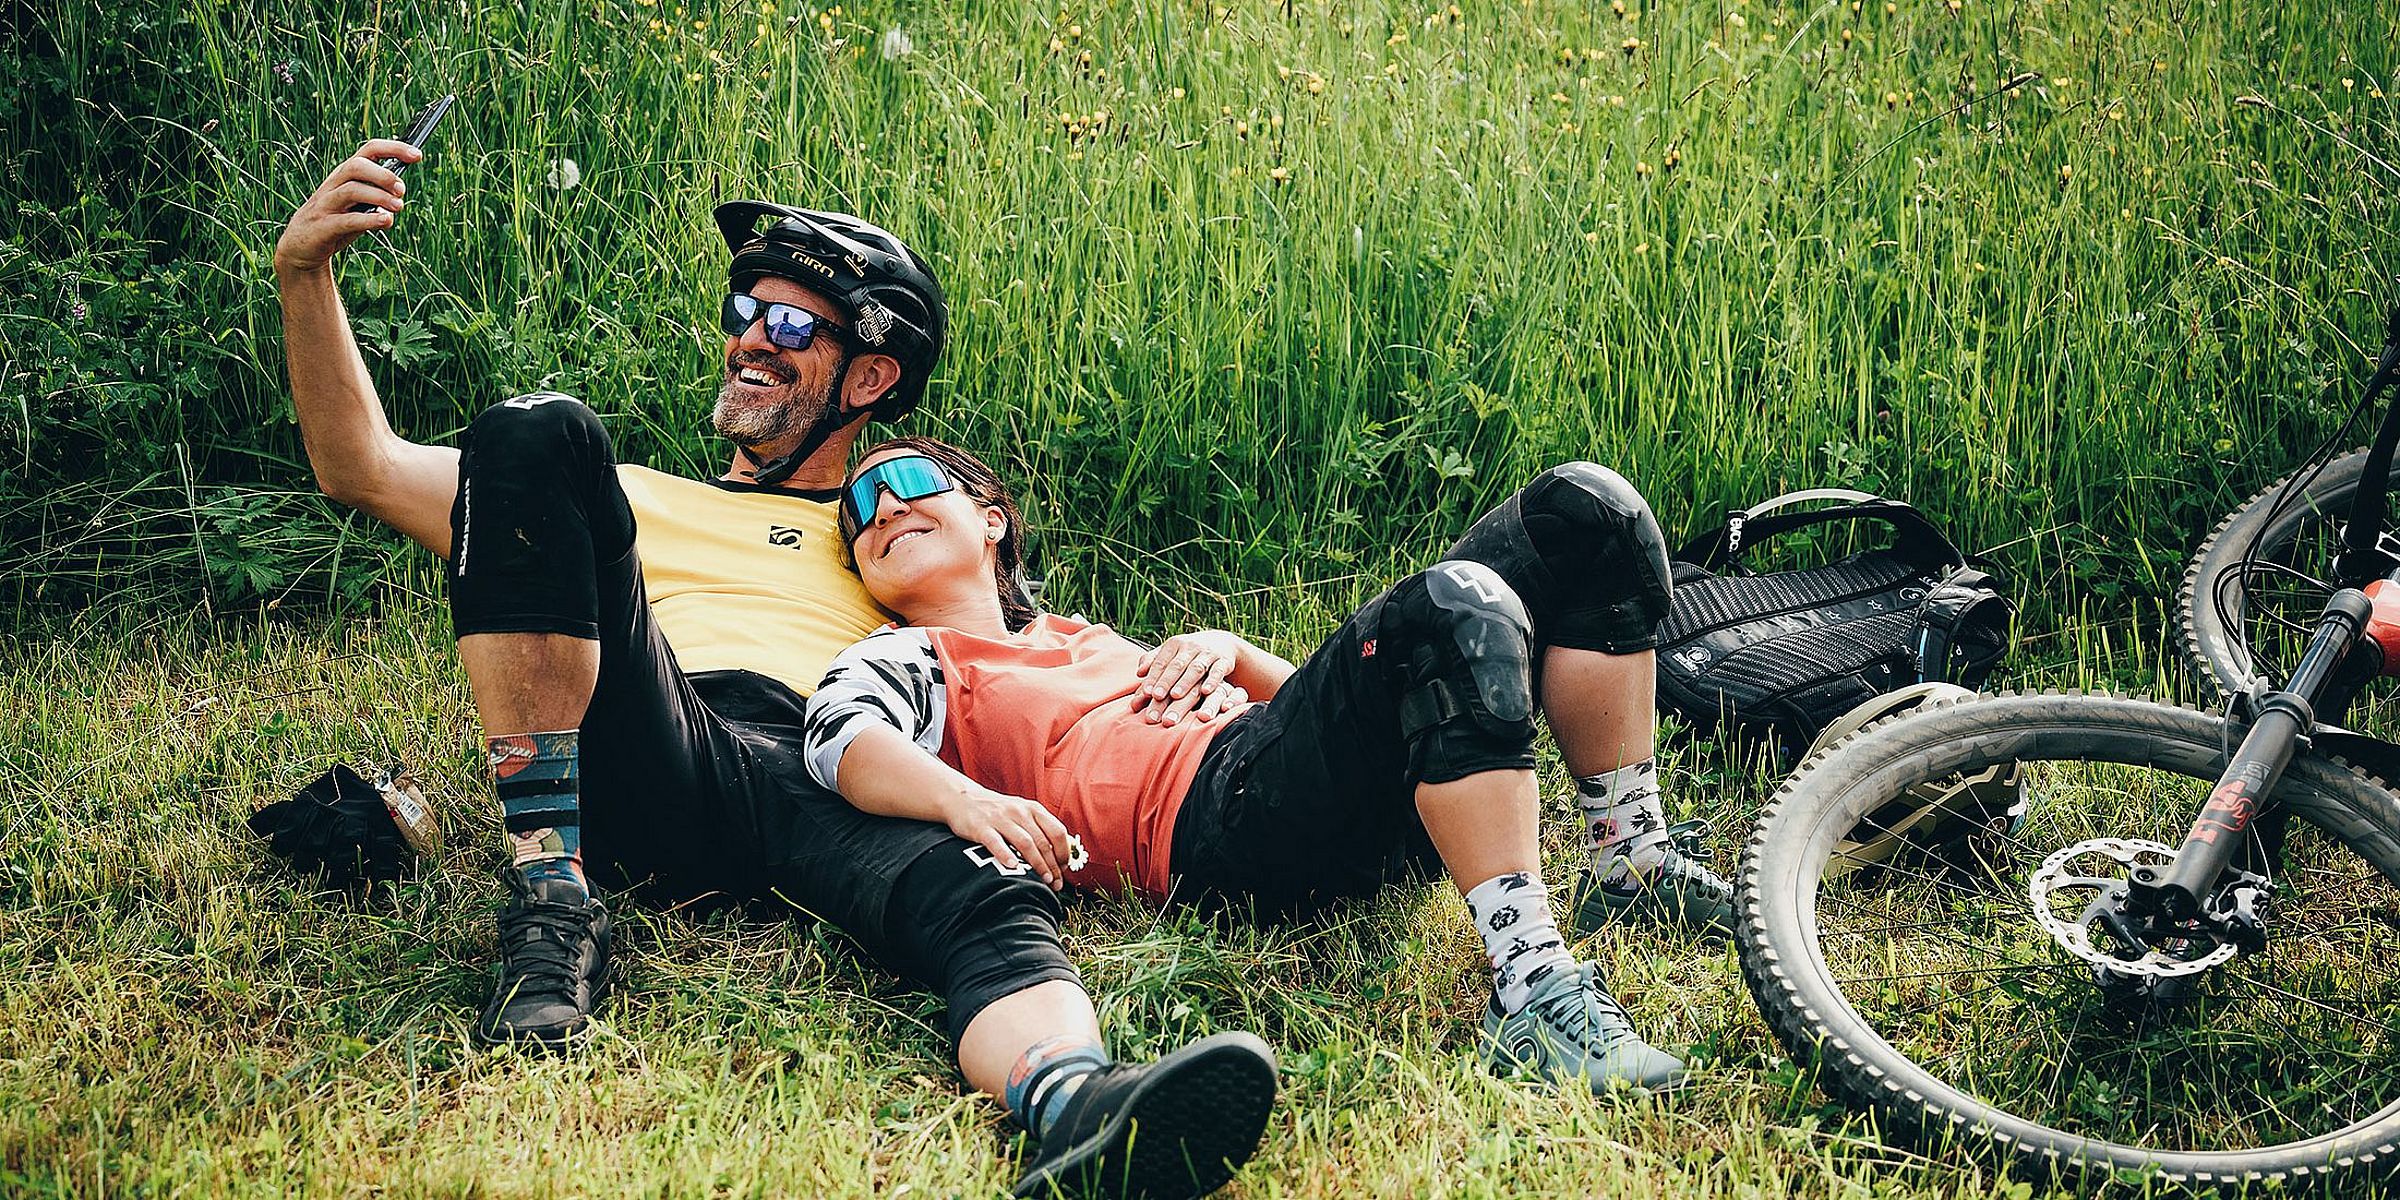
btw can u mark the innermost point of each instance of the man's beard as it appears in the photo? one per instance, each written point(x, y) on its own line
point(749, 420)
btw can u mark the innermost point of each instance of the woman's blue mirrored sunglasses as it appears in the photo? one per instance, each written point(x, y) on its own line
point(909, 477)
point(788, 325)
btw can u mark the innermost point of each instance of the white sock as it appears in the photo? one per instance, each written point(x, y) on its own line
point(1628, 828)
point(1512, 912)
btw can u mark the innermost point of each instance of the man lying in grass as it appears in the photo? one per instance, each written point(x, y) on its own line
point(641, 646)
point(1406, 739)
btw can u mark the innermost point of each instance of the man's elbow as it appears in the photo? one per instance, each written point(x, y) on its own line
point(340, 489)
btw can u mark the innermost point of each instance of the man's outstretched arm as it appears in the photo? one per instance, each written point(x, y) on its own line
point(357, 458)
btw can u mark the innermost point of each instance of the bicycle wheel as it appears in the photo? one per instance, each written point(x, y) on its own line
point(1938, 998)
point(2237, 624)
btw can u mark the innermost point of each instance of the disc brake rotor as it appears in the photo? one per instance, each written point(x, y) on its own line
point(2074, 885)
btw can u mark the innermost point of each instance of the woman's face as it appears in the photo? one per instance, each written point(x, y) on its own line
point(915, 552)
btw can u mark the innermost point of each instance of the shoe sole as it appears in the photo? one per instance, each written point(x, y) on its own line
point(1194, 1120)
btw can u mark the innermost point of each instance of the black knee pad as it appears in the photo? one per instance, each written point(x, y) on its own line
point(1467, 702)
point(538, 509)
point(1606, 555)
point(974, 928)
point(539, 431)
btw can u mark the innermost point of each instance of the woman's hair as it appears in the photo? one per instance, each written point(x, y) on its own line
point(983, 487)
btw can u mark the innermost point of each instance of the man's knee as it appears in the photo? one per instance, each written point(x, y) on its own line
point(975, 929)
point(1467, 701)
point(539, 511)
point(547, 428)
point(1602, 545)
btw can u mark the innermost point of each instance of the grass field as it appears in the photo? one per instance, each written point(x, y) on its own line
point(1260, 302)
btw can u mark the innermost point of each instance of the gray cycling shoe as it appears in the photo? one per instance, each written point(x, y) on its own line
point(1573, 1031)
point(1678, 893)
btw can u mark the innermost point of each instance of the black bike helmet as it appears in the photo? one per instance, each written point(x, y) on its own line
point(885, 290)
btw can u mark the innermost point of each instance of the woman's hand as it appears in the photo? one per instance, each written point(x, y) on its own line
point(1017, 832)
point(1185, 676)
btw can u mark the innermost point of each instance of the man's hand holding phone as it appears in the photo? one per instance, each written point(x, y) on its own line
point(360, 195)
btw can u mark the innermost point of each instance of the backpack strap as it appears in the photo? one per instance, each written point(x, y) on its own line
point(1918, 541)
point(1964, 599)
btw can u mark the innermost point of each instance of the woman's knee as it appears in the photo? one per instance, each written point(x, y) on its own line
point(1603, 547)
point(1467, 699)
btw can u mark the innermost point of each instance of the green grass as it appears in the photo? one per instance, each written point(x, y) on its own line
point(1308, 296)
point(181, 1015)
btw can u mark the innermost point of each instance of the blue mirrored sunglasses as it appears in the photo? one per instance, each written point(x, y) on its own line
point(909, 477)
point(788, 325)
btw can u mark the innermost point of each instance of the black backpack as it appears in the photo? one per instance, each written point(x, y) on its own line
point(1781, 655)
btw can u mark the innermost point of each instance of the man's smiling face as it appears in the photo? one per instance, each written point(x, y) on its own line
point(771, 394)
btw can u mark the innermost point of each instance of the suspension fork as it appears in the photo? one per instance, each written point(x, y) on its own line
point(2279, 727)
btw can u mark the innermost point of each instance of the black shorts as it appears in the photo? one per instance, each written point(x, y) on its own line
point(1310, 797)
point(1307, 798)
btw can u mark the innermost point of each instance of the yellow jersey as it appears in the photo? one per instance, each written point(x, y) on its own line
point(746, 578)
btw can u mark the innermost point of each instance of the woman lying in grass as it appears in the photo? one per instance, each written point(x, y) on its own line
point(1208, 765)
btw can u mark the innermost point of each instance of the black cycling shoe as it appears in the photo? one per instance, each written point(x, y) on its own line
point(1175, 1129)
point(553, 966)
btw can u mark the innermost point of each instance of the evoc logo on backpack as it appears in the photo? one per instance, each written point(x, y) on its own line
point(783, 535)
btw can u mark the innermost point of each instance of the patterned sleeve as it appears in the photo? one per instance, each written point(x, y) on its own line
point(892, 678)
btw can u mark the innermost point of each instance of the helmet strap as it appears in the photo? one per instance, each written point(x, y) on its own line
point(768, 474)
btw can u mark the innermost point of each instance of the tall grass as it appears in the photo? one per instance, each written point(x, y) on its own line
point(1257, 303)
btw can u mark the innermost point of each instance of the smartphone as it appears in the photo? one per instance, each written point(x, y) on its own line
point(419, 132)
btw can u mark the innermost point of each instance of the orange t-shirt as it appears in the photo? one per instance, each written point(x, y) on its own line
point(1049, 715)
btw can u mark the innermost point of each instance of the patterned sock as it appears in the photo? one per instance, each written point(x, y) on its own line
point(1512, 912)
point(535, 776)
point(1628, 829)
point(1046, 1075)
